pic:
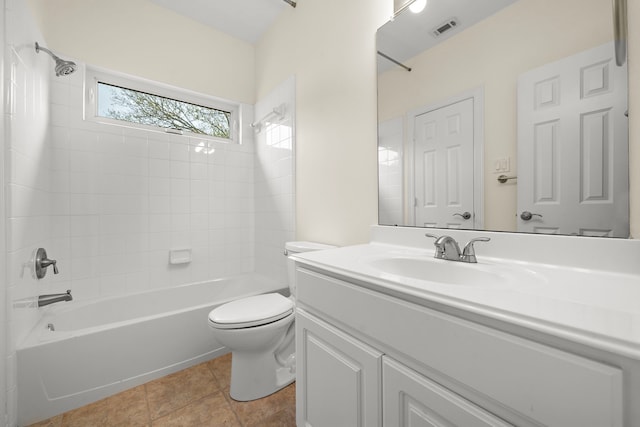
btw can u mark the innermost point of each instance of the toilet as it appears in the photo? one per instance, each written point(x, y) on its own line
point(259, 331)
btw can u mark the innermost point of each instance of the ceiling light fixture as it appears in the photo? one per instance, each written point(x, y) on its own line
point(418, 6)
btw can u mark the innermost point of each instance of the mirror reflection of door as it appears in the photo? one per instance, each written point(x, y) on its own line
point(572, 124)
point(444, 166)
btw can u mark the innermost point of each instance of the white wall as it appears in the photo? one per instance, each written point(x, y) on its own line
point(329, 46)
point(142, 39)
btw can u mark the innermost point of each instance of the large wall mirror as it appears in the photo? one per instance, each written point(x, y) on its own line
point(503, 115)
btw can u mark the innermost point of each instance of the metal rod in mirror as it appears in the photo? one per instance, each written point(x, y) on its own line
point(394, 61)
point(620, 30)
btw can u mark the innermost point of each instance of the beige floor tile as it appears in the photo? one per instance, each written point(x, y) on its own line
point(129, 409)
point(221, 368)
point(212, 411)
point(177, 390)
point(94, 415)
point(284, 418)
point(250, 413)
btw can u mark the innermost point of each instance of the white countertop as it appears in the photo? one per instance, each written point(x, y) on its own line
point(599, 308)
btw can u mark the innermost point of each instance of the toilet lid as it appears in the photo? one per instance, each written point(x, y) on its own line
point(251, 311)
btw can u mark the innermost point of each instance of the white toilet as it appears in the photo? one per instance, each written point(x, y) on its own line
point(259, 331)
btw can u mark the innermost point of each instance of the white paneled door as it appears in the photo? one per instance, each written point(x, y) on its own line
point(573, 147)
point(444, 166)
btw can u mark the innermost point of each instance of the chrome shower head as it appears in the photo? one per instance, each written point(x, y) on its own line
point(63, 68)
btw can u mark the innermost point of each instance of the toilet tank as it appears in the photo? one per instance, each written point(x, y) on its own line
point(291, 248)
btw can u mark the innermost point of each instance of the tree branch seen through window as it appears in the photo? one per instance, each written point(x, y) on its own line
point(143, 108)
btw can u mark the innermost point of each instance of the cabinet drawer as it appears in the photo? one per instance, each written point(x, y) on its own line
point(540, 383)
point(410, 399)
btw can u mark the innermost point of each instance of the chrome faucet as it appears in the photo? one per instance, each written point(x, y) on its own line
point(53, 298)
point(447, 248)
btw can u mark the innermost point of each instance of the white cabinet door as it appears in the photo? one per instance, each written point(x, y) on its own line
point(412, 400)
point(339, 377)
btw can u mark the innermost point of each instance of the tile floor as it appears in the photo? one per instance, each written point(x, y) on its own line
point(197, 396)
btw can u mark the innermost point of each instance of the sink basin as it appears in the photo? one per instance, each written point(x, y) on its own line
point(436, 270)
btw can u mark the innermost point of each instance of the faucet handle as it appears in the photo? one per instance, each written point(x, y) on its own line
point(47, 262)
point(439, 248)
point(469, 253)
point(42, 262)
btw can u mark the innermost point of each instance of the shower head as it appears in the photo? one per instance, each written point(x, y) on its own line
point(63, 68)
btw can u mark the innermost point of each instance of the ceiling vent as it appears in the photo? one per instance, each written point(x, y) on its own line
point(448, 25)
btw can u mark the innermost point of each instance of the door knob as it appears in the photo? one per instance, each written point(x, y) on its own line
point(526, 215)
point(464, 215)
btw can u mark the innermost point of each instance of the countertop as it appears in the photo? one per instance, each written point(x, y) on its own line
point(594, 307)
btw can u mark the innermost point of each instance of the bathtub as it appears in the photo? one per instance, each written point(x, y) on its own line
point(101, 347)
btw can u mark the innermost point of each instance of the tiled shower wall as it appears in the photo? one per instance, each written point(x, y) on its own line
point(274, 178)
point(27, 175)
point(123, 198)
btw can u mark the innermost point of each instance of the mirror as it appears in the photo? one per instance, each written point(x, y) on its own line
point(503, 115)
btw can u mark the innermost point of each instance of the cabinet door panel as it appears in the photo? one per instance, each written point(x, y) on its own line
point(412, 400)
point(339, 377)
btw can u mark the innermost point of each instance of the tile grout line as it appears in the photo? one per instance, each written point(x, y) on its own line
point(226, 398)
point(146, 400)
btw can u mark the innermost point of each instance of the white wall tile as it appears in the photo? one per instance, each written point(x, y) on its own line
point(179, 149)
point(180, 187)
point(159, 186)
point(158, 149)
point(179, 169)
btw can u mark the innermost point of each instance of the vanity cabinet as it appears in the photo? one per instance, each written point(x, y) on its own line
point(340, 380)
point(365, 355)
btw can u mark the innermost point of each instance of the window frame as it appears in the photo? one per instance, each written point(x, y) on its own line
point(93, 76)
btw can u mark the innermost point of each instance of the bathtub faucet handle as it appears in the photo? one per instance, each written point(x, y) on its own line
point(42, 262)
point(47, 262)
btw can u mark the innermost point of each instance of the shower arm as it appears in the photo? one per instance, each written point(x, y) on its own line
point(53, 55)
point(291, 3)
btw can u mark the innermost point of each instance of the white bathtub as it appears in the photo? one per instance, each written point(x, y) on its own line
point(105, 346)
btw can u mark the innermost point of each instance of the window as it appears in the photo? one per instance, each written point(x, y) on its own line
point(127, 101)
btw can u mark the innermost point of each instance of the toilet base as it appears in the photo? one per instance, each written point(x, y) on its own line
point(254, 376)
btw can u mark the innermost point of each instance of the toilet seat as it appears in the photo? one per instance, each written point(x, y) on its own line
point(251, 311)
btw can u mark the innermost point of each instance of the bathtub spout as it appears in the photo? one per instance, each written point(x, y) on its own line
point(53, 298)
